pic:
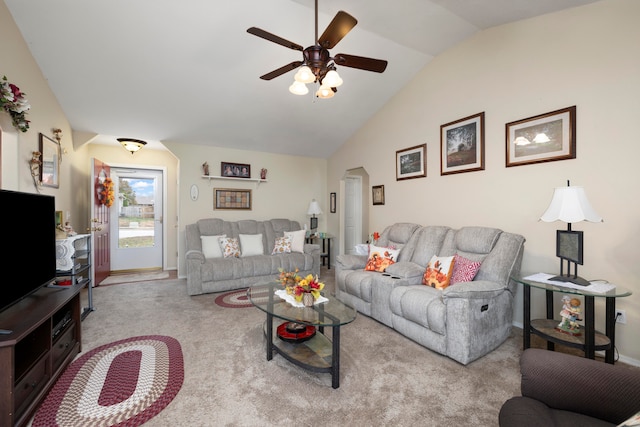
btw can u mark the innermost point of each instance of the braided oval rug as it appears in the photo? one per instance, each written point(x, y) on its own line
point(124, 383)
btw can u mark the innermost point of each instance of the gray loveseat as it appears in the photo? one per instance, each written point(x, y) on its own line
point(463, 321)
point(207, 275)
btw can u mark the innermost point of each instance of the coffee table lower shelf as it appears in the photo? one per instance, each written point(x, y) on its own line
point(315, 354)
point(546, 328)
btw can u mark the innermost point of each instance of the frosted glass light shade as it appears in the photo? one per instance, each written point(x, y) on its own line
point(325, 92)
point(305, 75)
point(332, 79)
point(570, 204)
point(298, 88)
point(131, 145)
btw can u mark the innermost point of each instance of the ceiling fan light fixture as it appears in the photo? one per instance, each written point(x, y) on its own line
point(325, 92)
point(305, 75)
point(332, 79)
point(298, 88)
point(131, 145)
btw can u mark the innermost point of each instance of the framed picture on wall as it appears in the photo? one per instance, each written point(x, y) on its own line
point(332, 202)
point(50, 167)
point(377, 194)
point(462, 145)
point(543, 138)
point(231, 198)
point(235, 170)
point(411, 162)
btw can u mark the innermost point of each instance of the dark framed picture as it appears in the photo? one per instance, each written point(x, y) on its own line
point(543, 138)
point(235, 170)
point(569, 245)
point(50, 167)
point(332, 202)
point(411, 163)
point(377, 194)
point(462, 145)
point(231, 198)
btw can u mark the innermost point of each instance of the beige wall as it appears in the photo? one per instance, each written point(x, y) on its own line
point(587, 57)
point(292, 183)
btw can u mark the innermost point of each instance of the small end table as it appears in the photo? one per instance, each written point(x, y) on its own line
point(591, 340)
point(326, 248)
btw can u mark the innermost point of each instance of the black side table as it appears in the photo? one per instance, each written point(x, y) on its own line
point(326, 248)
point(590, 340)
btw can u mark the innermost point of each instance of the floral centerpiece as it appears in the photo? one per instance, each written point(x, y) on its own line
point(308, 286)
point(13, 101)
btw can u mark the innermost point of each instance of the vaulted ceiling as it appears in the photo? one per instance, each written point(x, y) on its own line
point(188, 72)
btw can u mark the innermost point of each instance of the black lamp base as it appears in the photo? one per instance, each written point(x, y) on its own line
point(576, 280)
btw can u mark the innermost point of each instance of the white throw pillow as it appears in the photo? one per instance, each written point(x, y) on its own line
point(251, 244)
point(297, 240)
point(211, 246)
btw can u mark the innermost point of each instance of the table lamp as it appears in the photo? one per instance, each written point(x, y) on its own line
point(314, 209)
point(570, 204)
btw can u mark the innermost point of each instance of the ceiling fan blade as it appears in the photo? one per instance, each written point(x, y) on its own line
point(273, 38)
point(360, 62)
point(281, 70)
point(341, 24)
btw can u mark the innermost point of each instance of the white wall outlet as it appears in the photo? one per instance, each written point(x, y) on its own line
point(621, 316)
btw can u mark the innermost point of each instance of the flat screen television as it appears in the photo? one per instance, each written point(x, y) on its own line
point(29, 254)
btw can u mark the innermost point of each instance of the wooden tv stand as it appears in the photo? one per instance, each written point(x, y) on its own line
point(45, 338)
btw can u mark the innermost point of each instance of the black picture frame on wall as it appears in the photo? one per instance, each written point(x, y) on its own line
point(377, 194)
point(332, 202)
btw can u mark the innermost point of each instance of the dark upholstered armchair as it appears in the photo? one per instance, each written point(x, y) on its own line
point(564, 390)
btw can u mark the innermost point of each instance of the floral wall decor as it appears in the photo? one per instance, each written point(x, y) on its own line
point(13, 101)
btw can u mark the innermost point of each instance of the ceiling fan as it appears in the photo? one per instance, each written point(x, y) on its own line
point(317, 64)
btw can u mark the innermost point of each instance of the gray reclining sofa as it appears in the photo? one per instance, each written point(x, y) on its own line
point(465, 320)
point(208, 275)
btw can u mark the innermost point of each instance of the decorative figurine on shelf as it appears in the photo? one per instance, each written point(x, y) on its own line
point(263, 173)
point(570, 314)
point(205, 168)
point(69, 229)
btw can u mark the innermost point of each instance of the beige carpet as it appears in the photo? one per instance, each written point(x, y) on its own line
point(386, 379)
point(117, 279)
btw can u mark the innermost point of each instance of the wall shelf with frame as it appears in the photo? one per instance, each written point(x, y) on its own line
point(257, 181)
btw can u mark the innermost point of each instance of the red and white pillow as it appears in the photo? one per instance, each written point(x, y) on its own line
point(464, 270)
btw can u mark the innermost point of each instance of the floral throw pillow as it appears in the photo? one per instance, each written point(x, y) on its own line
point(464, 270)
point(438, 272)
point(282, 246)
point(380, 258)
point(230, 247)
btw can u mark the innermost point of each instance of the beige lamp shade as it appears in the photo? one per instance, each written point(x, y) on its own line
point(570, 204)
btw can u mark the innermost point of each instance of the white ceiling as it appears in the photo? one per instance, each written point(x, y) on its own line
point(188, 72)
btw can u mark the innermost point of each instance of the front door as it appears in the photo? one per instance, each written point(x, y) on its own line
point(101, 173)
point(137, 235)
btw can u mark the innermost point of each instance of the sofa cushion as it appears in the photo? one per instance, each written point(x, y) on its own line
point(438, 272)
point(464, 269)
point(297, 240)
point(380, 258)
point(230, 247)
point(421, 305)
point(282, 245)
point(211, 246)
point(251, 244)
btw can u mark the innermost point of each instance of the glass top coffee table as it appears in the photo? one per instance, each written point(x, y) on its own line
point(301, 344)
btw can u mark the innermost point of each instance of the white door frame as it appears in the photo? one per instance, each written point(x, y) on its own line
point(163, 169)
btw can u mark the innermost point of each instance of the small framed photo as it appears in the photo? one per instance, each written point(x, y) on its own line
point(462, 145)
point(332, 202)
point(544, 138)
point(569, 245)
point(235, 170)
point(411, 163)
point(231, 198)
point(377, 193)
point(58, 219)
point(50, 167)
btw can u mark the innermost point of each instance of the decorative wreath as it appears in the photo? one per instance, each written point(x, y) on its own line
point(105, 193)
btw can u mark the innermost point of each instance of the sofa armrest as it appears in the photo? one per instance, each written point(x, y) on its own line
point(409, 271)
point(476, 289)
point(195, 255)
point(581, 385)
point(351, 262)
point(311, 248)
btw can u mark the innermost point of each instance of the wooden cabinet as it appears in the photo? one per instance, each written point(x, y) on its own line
point(45, 337)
